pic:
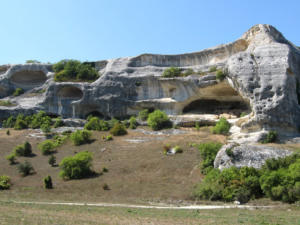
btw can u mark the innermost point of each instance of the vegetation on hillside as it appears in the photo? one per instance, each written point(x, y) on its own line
point(77, 166)
point(278, 179)
point(222, 127)
point(74, 70)
point(158, 120)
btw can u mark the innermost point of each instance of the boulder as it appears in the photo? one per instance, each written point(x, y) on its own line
point(247, 155)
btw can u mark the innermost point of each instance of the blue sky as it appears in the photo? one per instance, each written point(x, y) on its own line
point(51, 30)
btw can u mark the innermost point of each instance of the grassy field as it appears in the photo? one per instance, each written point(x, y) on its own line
point(137, 172)
point(28, 214)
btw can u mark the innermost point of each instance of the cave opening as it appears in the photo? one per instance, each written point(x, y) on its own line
point(70, 92)
point(28, 78)
point(213, 106)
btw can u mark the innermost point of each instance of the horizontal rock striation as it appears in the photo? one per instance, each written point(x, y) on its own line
point(262, 70)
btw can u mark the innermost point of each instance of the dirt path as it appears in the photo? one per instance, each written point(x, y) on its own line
point(145, 206)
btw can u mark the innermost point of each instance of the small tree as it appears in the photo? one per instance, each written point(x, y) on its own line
point(158, 120)
point(118, 130)
point(143, 115)
point(27, 149)
point(77, 166)
point(46, 128)
point(7, 132)
point(132, 123)
point(11, 158)
point(25, 168)
point(4, 182)
point(23, 150)
point(48, 182)
point(46, 147)
point(81, 137)
point(52, 160)
point(222, 127)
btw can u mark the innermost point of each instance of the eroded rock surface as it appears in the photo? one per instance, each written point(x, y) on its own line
point(263, 70)
point(246, 155)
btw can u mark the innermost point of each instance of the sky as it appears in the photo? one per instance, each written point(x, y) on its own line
point(90, 30)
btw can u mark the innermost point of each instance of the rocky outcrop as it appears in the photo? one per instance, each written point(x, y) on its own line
point(262, 76)
point(246, 155)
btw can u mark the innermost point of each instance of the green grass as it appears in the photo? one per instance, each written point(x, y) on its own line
point(6, 103)
point(12, 213)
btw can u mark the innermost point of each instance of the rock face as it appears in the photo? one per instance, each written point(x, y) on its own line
point(246, 155)
point(263, 72)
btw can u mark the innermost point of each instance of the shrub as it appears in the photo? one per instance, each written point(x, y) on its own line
point(178, 149)
point(6, 103)
point(52, 160)
point(108, 138)
point(8, 132)
point(81, 137)
point(20, 123)
point(188, 72)
point(18, 92)
point(172, 72)
point(158, 120)
point(58, 122)
point(229, 152)
point(105, 187)
point(94, 123)
point(11, 158)
point(222, 127)
point(213, 69)
point(47, 147)
point(25, 168)
point(77, 166)
point(208, 152)
point(118, 130)
point(143, 115)
point(132, 123)
point(48, 182)
point(243, 114)
point(32, 61)
point(4, 182)
point(23, 150)
point(46, 128)
point(9, 122)
point(74, 70)
point(271, 137)
point(197, 126)
point(220, 75)
point(104, 170)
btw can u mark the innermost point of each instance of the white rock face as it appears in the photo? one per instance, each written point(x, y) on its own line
point(263, 72)
point(247, 155)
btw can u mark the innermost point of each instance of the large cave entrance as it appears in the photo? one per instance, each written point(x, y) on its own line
point(28, 79)
point(217, 99)
point(70, 93)
point(213, 106)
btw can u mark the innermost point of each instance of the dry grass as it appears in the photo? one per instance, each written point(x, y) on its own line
point(138, 172)
point(28, 214)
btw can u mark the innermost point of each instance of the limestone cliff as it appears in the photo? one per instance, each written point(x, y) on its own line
point(263, 73)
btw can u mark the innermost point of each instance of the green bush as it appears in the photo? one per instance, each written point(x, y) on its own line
point(74, 70)
point(271, 137)
point(20, 123)
point(4, 182)
point(143, 115)
point(172, 72)
point(47, 147)
point(80, 137)
point(9, 122)
point(7, 132)
point(229, 152)
point(11, 158)
point(77, 166)
point(52, 160)
point(278, 179)
point(48, 182)
point(222, 127)
point(25, 168)
point(23, 150)
point(197, 126)
point(188, 72)
point(46, 128)
point(213, 69)
point(94, 123)
point(6, 103)
point(178, 149)
point(243, 114)
point(118, 130)
point(58, 122)
point(132, 123)
point(108, 138)
point(158, 120)
point(18, 92)
point(220, 75)
point(208, 152)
